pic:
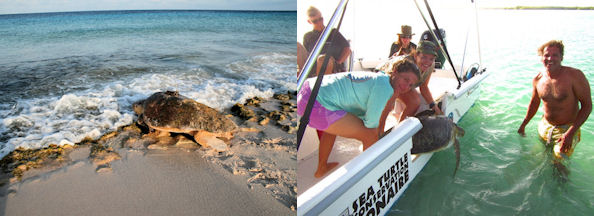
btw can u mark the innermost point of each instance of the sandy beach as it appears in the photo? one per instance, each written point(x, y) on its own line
point(130, 173)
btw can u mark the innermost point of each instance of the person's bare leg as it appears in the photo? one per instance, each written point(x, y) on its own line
point(326, 145)
point(349, 126)
point(302, 55)
point(329, 66)
point(412, 102)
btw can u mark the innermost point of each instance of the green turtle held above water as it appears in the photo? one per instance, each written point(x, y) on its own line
point(171, 112)
point(438, 133)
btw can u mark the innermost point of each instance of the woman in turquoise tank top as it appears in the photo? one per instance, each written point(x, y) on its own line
point(354, 105)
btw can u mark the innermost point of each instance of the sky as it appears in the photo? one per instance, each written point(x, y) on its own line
point(377, 22)
point(36, 6)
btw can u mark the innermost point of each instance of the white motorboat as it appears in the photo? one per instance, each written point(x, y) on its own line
point(369, 182)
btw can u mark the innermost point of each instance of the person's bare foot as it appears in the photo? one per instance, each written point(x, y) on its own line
point(322, 170)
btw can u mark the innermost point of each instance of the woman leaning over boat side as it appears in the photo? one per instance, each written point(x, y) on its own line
point(424, 57)
point(354, 105)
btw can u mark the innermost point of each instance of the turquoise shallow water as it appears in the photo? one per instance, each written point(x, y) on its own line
point(502, 173)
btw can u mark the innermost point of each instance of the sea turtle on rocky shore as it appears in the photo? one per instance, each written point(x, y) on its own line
point(171, 112)
point(438, 133)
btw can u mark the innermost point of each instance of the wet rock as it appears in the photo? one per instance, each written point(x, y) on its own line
point(283, 97)
point(132, 128)
point(255, 101)
point(135, 143)
point(290, 129)
point(251, 130)
point(253, 119)
point(156, 147)
point(107, 136)
point(22, 168)
point(103, 168)
point(242, 111)
point(101, 154)
point(288, 107)
point(277, 115)
point(264, 121)
point(21, 160)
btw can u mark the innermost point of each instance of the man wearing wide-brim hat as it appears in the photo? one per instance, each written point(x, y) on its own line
point(403, 46)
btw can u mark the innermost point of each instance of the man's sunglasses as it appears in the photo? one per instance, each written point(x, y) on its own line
point(317, 20)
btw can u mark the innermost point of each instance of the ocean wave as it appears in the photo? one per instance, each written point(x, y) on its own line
point(87, 113)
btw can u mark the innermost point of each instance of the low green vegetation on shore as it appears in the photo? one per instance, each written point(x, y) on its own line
point(545, 8)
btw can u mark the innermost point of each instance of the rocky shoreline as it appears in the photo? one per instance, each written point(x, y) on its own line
point(263, 151)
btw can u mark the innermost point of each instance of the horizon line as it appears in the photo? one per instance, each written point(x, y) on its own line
point(139, 10)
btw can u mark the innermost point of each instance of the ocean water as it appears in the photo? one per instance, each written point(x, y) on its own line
point(502, 173)
point(67, 76)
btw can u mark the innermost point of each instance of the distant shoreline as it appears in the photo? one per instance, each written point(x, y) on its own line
point(543, 8)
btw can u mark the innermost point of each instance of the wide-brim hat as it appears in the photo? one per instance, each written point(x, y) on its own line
point(406, 31)
point(427, 47)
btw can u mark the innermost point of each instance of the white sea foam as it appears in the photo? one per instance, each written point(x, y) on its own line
point(72, 117)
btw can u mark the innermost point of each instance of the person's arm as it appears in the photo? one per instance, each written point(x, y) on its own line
point(424, 88)
point(532, 106)
point(581, 89)
point(309, 42)
point(340, 41)
point(387, 109)
point(344, 55)
point(302, 55)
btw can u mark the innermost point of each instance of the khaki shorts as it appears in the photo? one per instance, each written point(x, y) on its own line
point(551, 133)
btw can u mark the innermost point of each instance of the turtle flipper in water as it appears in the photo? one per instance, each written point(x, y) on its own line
point(438, 133)
point(459, 133)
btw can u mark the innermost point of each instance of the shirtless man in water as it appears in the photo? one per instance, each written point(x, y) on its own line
point(565, 93)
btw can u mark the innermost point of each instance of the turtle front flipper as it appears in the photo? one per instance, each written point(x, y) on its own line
point(207, 140)
point(457, 150)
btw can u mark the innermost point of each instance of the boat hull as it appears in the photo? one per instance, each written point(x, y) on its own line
point(369, 183)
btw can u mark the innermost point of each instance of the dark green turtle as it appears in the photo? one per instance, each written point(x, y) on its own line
point(171, 112)
point(438, 133)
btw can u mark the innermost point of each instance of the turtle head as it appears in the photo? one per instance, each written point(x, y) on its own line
point(138, 107)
